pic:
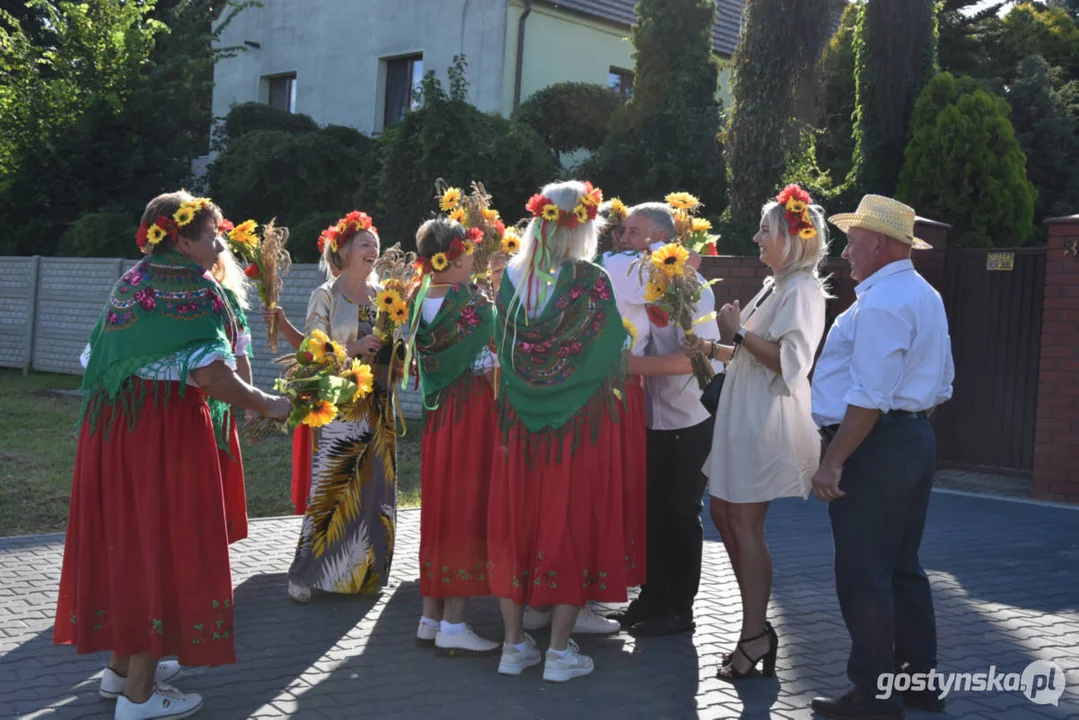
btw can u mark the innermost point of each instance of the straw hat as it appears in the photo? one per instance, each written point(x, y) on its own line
point(884, 215)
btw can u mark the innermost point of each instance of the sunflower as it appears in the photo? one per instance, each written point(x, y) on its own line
point(360, 373)
point(700, 225)
point(632, 330)
point(511, 243)
point(671, 259)
point(321, 414)
point(489, 214)
point(653, 291)
point(808, 232)
point(338, 351)
point(185, 214)
point(155, 234)
point(796, 206)
point(244, 234)
point(468, 246)
point(550, 212)
point(387, 299)
point(450, 199)
point(316, 344)
point(618, 210)
point(582, 214)
point(439, 262)
point(399, 313)
point(458, 215)
point(682, 201)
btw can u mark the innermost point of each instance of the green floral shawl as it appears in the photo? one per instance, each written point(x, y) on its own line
point(449, 345)
point(166, 311)
point(563, 369)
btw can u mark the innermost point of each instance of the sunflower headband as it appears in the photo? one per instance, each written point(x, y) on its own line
point(796, 202)
point(441, 260)
point(617, 212)
point(547, 211)
point(151, 235)
point(345, 228)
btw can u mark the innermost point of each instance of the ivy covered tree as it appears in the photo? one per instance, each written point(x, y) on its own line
point(965, 167)
point(666, 137)
point(895, 46)
point(835, 141)
point(771, 98)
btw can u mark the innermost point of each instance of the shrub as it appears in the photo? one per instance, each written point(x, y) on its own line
point(303, 235)
point(249, 117)
point(349, 137)
point(100, 234)
point(571, 115)
point(964, 165)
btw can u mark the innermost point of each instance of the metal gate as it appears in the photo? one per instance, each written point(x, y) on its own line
point(994, 304)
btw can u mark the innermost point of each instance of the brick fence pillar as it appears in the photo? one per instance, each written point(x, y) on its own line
point(1056, 449)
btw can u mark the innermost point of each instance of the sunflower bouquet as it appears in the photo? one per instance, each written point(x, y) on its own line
point(267, 260)
point(672, 291)
point(321, 383)
point(691, 231)
point(396, 271)
point(486, 230)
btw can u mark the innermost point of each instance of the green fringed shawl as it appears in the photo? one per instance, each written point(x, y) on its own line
point(448, 346)
point(165, 312)
point(563, 370)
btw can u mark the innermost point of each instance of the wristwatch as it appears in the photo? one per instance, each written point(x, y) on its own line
point(740, 336)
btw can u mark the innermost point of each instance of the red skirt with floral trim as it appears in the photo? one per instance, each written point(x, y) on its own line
point(555, 520)
point(303, 453)
point(235, 489)
point(455, 479)
point(635, 489)
point(146, 561)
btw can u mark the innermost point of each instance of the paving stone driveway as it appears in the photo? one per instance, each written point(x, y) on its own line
point(1005, 583)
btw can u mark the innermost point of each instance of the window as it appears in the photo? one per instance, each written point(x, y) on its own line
point(621, 81)
point(403, 76)
point(283, 92)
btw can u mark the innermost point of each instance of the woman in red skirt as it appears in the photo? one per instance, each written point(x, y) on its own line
point(555, 520)
point(453, 323)
point(146, 565)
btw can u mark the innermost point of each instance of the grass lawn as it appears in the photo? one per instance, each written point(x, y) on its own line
point(37, 454)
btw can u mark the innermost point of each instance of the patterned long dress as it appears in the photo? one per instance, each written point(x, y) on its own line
point(346, 544)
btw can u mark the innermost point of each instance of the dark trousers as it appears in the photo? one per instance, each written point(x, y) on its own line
point(877, 525)
point(675, 539)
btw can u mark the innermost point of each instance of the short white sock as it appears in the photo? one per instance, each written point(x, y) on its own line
point(452, 628)
point(429, 622)
point(519, 647)
point(558, 653)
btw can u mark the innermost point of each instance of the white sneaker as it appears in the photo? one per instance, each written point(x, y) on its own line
point(536, 620)
point(589, 623)
point(573, 664)
point(426, 634)
point(465, 644)
point(113, 685)
point(166, 702)
point(515, 662)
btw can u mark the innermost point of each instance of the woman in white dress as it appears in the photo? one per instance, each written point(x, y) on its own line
point(765, 445)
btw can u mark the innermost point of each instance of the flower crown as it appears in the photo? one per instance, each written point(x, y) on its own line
point(150, 235)
point(587, 208)
point(345, 228)
point(617, 212)
point(441, 260)
point(796, 202)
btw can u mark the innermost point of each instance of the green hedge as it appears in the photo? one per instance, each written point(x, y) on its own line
point(571, 115)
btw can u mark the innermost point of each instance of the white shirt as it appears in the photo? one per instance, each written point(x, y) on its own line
point(168, 369)
point(484, 361)
point(673, 402)
point(629, 293)
point(515, 272)
point(889, 351)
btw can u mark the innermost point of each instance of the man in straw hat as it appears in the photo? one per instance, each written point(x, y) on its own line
point(887, 363)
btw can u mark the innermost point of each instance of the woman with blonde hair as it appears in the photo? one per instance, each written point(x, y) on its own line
point(765, 444)
point(347, 539)
point(555, 513)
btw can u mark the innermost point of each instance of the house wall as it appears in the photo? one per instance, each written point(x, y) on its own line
point(335, 47)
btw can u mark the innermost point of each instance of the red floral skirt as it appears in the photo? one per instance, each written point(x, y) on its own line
point(555, 520)
point(635, 489)
point(455, 478)
point(303, 452)
point(146, 560)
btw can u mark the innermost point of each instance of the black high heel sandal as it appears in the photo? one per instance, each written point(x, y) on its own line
point(730, 673)
point(725, 658)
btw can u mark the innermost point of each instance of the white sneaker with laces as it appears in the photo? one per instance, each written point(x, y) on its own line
point(166, 702)
point(426, 634)
point(589, 623)
point(572, 664)
point(515, 662)
point(113, 685)
point(465, 644)
point(536, 620)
